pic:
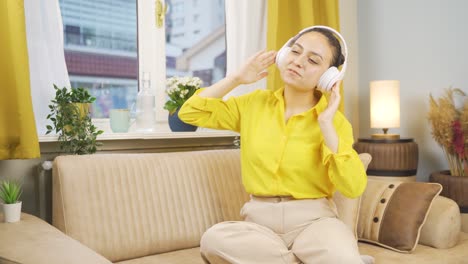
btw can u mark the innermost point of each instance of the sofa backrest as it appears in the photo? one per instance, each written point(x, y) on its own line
point(126, 206)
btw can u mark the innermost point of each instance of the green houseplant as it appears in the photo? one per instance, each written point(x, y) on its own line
point(10, 193)
point(69, 113)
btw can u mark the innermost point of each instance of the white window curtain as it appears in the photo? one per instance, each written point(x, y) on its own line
point(44, 33)
point(245, 35)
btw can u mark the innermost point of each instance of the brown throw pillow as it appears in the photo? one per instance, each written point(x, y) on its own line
point(393, 213)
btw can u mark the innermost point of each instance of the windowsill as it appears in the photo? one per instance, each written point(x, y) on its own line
point(155, 135)
point(161, 131)
point(161, 140)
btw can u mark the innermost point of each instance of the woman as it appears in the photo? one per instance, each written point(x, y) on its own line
point(296, 151)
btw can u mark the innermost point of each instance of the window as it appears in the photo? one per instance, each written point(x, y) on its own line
point(104, 53)
point(177, 6)
point(178, 22)
point(100, 43)
point(197, 47)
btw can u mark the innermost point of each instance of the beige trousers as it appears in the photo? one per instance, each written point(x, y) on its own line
point(282, 230)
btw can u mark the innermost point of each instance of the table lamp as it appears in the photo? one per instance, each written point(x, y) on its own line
point(385, 107)
point(393, 158)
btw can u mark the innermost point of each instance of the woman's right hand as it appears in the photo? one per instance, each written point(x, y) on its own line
point(255, 67)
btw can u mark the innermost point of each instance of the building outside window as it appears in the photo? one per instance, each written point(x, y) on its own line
point(100, 43)
point(102, 51)
point(197, 45)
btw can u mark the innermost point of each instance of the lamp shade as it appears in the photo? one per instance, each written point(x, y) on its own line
point(385, 104)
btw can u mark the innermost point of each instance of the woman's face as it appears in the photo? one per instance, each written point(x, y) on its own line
point(309, 58)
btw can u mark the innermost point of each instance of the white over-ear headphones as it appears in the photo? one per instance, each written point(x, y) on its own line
point(329, 77)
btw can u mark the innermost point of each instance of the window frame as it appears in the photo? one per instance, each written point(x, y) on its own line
point(152, 43)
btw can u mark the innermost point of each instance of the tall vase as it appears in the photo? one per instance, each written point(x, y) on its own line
point(454, 187)
point(178, 125)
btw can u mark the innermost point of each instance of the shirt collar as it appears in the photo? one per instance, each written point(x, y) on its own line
point(318, 108)
point(321, 104)
point(279, 94)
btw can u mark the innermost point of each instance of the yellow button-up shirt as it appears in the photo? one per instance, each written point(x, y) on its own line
point(278, 157)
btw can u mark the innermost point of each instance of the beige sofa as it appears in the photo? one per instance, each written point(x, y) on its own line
point(153, 208)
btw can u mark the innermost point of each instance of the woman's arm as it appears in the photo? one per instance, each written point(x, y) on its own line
point(325, 119)
point(206, 108)
point(345, 169)
point(252, 71)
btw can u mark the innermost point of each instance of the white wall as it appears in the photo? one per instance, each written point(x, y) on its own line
point(422, 43)
point(349, 31)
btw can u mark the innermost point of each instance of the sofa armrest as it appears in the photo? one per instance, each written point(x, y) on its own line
point(32, 240)
point(443, 224)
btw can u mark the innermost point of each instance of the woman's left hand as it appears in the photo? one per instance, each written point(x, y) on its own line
point(333, 104)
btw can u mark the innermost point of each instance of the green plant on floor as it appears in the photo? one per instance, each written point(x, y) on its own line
point(10, 191)
point(71, 121)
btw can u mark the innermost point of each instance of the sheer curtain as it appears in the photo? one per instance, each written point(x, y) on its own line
point(18, 137)
point(245, 35)
point(47, 66)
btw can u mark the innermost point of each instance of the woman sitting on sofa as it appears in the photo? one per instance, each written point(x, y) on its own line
point(296, 151)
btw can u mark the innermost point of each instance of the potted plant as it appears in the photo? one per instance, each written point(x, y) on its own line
point(69, 113)
point(448, 117)
point(179, 90)
point(10, 193)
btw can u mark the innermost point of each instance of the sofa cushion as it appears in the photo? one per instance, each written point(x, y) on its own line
point(393, 213)
point(184, 256)
point(348, 208)
point(421, 255)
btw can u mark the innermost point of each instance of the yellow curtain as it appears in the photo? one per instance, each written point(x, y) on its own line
point(287, 17)
point(18, 136)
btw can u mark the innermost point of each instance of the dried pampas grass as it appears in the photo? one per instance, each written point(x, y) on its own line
point(443, 114)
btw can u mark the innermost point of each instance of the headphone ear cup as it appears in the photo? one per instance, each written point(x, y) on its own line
point(281, 55)
point(328, 79)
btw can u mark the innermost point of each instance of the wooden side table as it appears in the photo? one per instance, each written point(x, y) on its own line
point(395, 159)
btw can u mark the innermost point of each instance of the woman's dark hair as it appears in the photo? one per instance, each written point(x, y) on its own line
point(338, 58)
